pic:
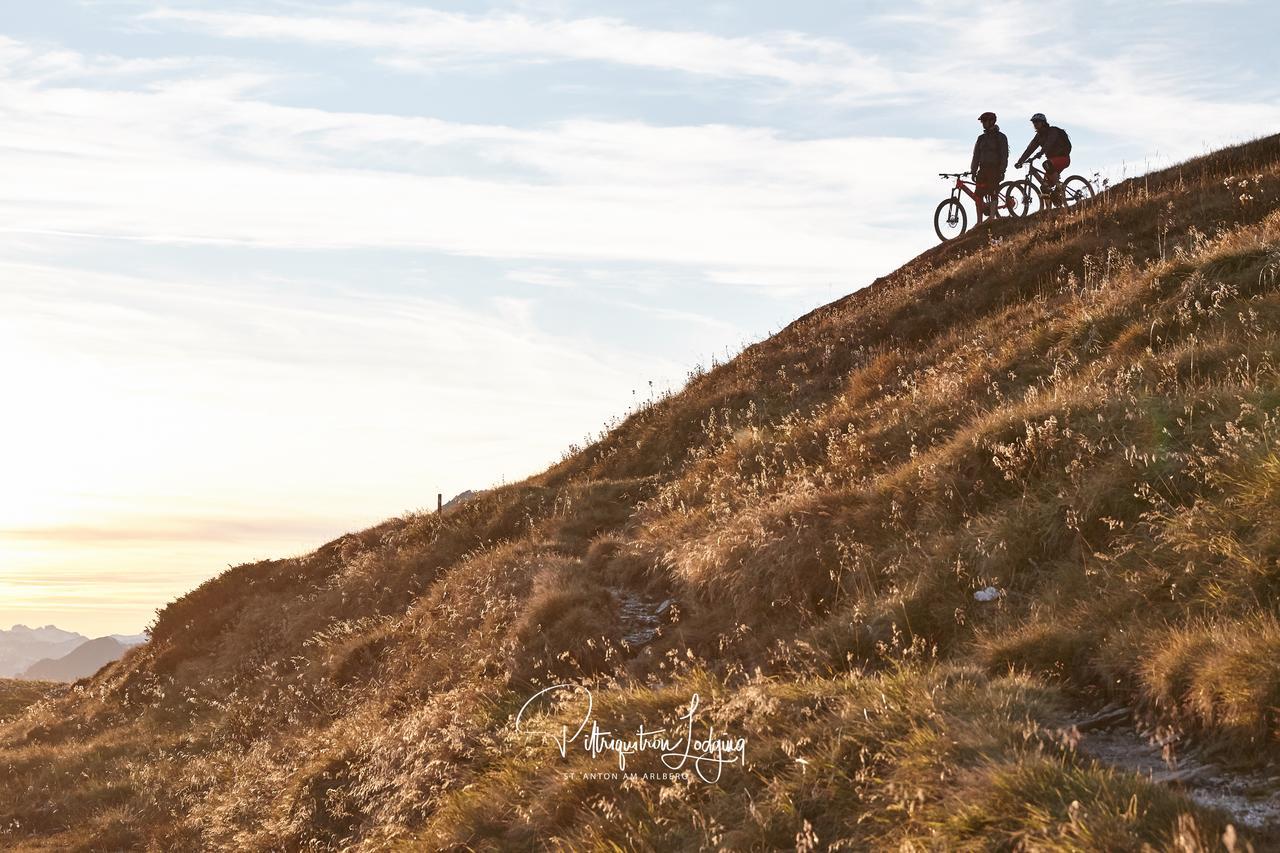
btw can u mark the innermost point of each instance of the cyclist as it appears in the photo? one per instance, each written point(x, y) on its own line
point(990, 160)
point(1055, 144)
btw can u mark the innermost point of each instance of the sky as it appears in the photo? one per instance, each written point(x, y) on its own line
point(272, 272)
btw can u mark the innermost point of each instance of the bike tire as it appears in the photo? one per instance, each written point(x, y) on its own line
point(1013, 200)
point(950, 220)
point(1076, 189)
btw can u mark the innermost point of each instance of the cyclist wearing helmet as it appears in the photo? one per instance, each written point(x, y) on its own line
point(990, 159)
point(1055, 144)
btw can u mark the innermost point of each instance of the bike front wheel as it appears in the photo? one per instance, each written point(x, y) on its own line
point(1076, 189)
point(1013, 199)
point(950, 219)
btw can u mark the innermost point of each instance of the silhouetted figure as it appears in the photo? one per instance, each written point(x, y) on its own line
point(1055, 144)
point(990, 160)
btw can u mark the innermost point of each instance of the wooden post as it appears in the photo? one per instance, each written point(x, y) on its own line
point(439, 502)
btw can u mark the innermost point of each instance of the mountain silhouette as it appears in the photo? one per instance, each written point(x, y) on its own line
point(86, 659)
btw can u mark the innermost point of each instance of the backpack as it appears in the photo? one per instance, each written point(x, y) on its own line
point(1066, 141)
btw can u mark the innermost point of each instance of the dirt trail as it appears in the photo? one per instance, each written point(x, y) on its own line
point(1112, 738)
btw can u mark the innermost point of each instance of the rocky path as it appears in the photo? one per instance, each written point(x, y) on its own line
point(641, 617)
point(1111, 737)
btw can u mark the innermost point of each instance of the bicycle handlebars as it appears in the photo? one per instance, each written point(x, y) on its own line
point(953, 174)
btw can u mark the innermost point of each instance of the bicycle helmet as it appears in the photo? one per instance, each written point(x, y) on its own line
point(1039, 117)
point(987, 115)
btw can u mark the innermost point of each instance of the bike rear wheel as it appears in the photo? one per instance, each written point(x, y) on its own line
point(1076, 189)
point(950, 219)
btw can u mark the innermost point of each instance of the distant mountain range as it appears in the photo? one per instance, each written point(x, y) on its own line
point(50, 653)
point(22, 646)
point(86, 659)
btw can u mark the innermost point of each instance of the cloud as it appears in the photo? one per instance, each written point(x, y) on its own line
point(208, 159)
point(52, 64)
point(1125, 94)
point(542, 277)
point(205, 161)
point(428, 39)
point(1126, 88)
point(150, 529)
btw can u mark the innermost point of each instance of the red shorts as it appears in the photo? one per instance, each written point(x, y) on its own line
point(987, 179)
point(1059, 164)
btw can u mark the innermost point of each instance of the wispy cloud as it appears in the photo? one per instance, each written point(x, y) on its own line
point(1128, 92)
point(1125, 87)
point(167, 529)
point(427, 39)
point(43, 64)
point(205, 161)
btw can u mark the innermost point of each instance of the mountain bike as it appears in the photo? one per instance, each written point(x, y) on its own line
point(951, 219)
point(1027, 194)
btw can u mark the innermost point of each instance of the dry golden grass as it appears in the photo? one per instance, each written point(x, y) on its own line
point(928, 757)
point(17, 696)
point(1079, 410)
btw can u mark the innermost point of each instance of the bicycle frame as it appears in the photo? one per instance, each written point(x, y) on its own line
point(963, 186)
point(1067, 191)
point(1035, 177)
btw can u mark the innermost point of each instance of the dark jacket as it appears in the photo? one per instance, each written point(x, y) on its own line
point(1052, 140)
point(991, 150)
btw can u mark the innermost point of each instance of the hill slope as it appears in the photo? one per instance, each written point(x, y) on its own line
point(16, 696)
point(1080, 412)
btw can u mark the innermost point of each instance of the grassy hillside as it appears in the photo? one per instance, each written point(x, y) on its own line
point(1080, 411)
point(16, 696)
